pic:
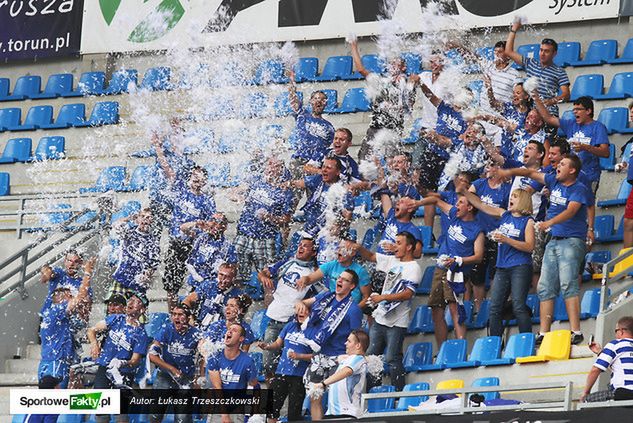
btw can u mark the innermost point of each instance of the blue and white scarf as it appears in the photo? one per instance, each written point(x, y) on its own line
point(328, 316)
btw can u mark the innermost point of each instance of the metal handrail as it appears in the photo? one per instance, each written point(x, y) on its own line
point(565, 403)
point(606, 278)
point(601, 404)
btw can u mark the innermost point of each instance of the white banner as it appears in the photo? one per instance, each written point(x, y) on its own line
point(65, 401)
point(129, 25)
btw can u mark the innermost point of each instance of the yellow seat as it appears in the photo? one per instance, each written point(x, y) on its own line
point(556, 346)
point(619, 267)
point(450, 384)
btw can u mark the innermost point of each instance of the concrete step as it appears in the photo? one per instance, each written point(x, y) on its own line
point(22, 365)
point(34, 351)
point(19, 379)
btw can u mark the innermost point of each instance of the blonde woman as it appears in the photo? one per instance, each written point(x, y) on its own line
point(513, 277)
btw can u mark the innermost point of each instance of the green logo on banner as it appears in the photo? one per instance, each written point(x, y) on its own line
point(85, 401)
point(155, 25)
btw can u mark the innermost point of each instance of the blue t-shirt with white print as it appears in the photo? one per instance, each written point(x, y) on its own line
point(593, 133)
point(55, 333)
point(122, 341)
point(263, 197)
point(236, 373)
point(513, 227)
point(311, 137)
point(496, 197)
point(559, 199)
point(460, 238)
point(179, 349)
point(296, 340)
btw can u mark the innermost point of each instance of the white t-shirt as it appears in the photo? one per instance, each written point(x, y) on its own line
point(287, 295)
point(429, 111)
point(400, 275)
point(344, 395)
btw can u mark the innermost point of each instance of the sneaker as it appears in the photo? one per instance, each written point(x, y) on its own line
point(577, 338)
point(539, 339)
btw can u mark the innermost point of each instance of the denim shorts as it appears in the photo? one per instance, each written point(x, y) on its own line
point(562, 263)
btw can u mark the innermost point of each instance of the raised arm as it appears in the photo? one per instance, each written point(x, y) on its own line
point(162, 160)
point(435, 100)
point(436, 138)
point(477, 203)
point(522, 171)
point(358, 62)
point(304, 281)
point(84, 288)
point(509, 51)
point(386, 204)
point(365, 254)
point(496, 104)
point(548, 118)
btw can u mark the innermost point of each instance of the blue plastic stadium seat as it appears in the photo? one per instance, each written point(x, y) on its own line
point(598, 53)
point(468, 308)
point(416, 355)
point(368, 238)
point(421, 322)
point(282, 104)
point(567, 52)
point(57, 85)
point(519, 345)
point(156, 79)
point(255, 290)
point(16, 150)
point(567, 115)
point(36, 117)
point(590, 304)
point(560, 311)
point(424, 287)
point(485, 349)
point(608, 163)
point(336, 68)
point(587, 85)
point(614, 118)
point(626, 56)
point(485, 53)
point(381, 404)
point(139, 179)
point(480, 320)
point(253, 106)
point(155, 323)
point(90, 83)
point(617, 235)
point(529, 50)
point(5, 183)
point(355, 100)
point(452, 351)
point(621, 197)
point(4, 89)
point(69, 115)
point(603, 227)
point(405, 402)
point(121, 81)
point(413, 61)
point(128, 209)
point(484, 382)
point(10, 118)
point(414, 135)
point(49, 148)
point(111, 178)
point(306, 69)
point(270, 72)
point(25, 87)
point(372, 63)
point(103, 113)
point(621, 87)
point(427, 240)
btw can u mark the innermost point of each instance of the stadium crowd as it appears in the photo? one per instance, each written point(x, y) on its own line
point(516, 204)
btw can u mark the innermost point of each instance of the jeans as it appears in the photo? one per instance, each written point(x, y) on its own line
point(271, 358)
point(511, 282)
point(561, 266)
point(164, 381)
point(381, 337)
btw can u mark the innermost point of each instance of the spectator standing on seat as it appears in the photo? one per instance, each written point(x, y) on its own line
point(461, 248)
point(628, 211)
point(174, 351)
point(566, 220)
point(617, 356)
point(210, 248)
point(268, 205)
point(138, 254)
point(551, 77)
point(335, 315)
point(513, 273)
point(392, 306)
point(312, 134)
point(280, 280)
point(586, 136)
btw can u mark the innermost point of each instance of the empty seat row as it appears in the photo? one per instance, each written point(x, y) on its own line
point(90, 83)
point(591, 85)
point(70, 115)
point(605, 230)
point(19, 149)
point(599, 52)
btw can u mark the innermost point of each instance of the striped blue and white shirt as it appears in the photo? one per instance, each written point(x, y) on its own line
point(344, 395)
point(618, 354)
point(551, 78)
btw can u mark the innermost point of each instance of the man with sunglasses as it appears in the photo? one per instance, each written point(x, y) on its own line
point(616, 355)
point(551, 76)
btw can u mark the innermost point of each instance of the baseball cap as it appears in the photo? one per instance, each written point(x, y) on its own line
point(116, 299)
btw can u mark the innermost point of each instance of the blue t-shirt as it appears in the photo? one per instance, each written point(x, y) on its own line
point(349, 171)
point(408, 190)
point(332, 270)
point(335, 344)
point(156, 180)
point(496, 197)
point(559, 199)
point(295, 340)
point(316, 204)
point(217, 331)
point(236, 373)
point(138, 253)
point(512, 227)
point(460, 237)
point(263, 197)
point(311, 136)
point(187, 207)
point(55, 333)
point(450, 123)
point(122, 341)
point(212, 301)
point(61, 279)
point(512, 114)
point(594, 134)
point(449, 197)
point(179, 350)
point(208, 254)
point(393, 227)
